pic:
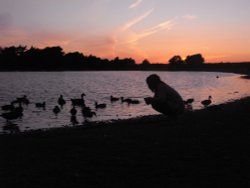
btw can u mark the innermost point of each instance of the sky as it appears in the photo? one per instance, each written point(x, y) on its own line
point(141, 29)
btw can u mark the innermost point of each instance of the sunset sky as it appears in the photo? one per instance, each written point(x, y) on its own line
point(152, 29)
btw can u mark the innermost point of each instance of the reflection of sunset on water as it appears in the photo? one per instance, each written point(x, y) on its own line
point(99, 86)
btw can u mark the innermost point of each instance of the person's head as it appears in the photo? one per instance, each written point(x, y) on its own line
point(153, 80)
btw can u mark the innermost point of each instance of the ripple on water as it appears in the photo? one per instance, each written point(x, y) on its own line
point(98, 86)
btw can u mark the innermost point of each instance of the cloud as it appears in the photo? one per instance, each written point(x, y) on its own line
point(150, 31)
point(135, 4)
point(136, 20)
point(126, 40)
point(161, 26)
point(190, 17)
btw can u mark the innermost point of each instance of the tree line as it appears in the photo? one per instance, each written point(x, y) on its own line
point(21, 58)
point(54, 58)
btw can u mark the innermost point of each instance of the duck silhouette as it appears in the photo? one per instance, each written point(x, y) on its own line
point(56, 110)
point(23, 100)
point(79, 102)
point(8, 107)
point(61, 101)
point(113, 99)
point(127, 100)
point(73, 111)
point(100, 106)
point(18, 109)
point(87, 112)
point(73, 120)
point(14, 114)
point(189, 101)
point(207, 102)
point(134, 101)
point(40, 104)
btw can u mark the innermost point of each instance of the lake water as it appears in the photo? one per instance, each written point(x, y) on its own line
point(98, 86)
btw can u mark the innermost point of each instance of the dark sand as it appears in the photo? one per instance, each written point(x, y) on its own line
point(205, 148)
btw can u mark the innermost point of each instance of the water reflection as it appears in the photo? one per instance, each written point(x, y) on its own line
point(49, 87)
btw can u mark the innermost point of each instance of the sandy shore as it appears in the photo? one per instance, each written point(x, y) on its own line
point(204, 148)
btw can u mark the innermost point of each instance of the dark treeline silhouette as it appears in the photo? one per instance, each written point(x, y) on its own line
point(197, 63)
point(191, 61)
point(53, 58)
point(21, 58)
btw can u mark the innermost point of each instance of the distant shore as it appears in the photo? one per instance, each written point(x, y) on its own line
point(203, 148)
point(239, 68)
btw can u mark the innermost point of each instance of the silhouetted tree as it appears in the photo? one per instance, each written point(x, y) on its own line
point(74, 57)
point(10, 56)
point(195, 60)
point(176, 61)
point(145, 62)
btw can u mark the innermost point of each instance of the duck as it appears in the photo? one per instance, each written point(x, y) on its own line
point(127, 100)
point(134, 101)
point(61, 101)
point(86, 112)
point(101, 105)
point(56, 110)
point(73, 111)
point(18, 109)
point(79, 102)
point(189, 101)
point(8, 107)
point(90, 114)
point(15, 114)
point(22, 99)
point(113, 99)
point(207, 102)
point(40, 104)
point(73, 120)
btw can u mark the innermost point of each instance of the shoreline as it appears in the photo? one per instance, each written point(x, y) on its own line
point(203, 148)
point(117, 122)
point(95, 123)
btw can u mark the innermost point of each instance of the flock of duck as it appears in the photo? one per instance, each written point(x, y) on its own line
point(205, 103)
point(15, 109)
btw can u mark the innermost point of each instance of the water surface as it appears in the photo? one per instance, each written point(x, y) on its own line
point(98, 86)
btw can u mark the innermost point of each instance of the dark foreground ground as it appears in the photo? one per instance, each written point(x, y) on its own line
point(205, 148)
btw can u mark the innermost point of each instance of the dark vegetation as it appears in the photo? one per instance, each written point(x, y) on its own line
point(20, 58)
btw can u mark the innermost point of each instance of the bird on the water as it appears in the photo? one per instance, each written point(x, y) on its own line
point(101, 105)
point(56, 110)
point(73, 111)
point(61, 101)
point(79, 102)
point(207, 102)
point(189, 101)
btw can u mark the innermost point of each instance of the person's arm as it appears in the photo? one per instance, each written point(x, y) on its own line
point(148, 100)
point(160, 94)
point(159, 97)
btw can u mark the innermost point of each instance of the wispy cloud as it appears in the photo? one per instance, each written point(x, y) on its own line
point(136, 20)
point(126, 40)
point(167, 25)
point(135, 4)
point(161, 26)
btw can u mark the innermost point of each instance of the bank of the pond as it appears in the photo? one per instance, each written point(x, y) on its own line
point(204, 148)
